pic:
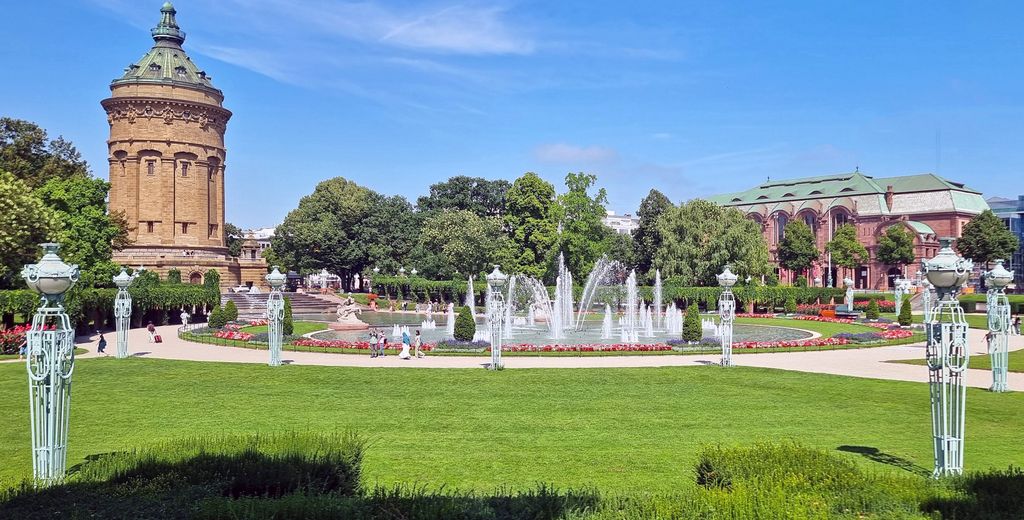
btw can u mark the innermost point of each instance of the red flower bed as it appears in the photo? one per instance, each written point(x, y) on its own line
point(233, 334)
point(824, 319)
point(598, 347)
point(257, 323)
point(816, 342)
point(12, 339)
point(896, 334)
point(356, 345)
point(883, 305)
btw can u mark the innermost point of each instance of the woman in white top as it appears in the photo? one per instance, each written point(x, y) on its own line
point(417, 342)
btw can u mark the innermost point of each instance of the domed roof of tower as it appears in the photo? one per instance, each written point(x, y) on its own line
point(167, 62)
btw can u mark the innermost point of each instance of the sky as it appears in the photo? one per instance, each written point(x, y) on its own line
point(688, 97)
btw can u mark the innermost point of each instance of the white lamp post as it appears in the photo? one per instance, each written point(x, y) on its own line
point(947, 354)
point(496, 281)
point(998, 310)
point(123, 310)
point(50, 363)
point(726, 313)
point(275, 315)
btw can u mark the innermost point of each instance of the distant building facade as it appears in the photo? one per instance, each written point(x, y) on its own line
point(622, 224)
point(167, 163)
point(927, 205)
point(1012, 213)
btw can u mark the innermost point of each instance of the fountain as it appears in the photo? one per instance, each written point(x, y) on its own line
point(450, 324)
point(469, 302)
point(658, 317)
point(605, 273)
point(606, 324)
point(630, 323)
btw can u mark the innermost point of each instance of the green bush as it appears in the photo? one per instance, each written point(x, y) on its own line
point(692, 330)
point(872, 312)
point(230, 311)
point(212, 280)
point(772, 280)
point(173, 275)
point(288, 327)
point(216, 319)
point(905, 318)
point(790, 306)
point(801, 281)
point(465, 326)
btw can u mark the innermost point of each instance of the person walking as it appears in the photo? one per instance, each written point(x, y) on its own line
point(101, 347)
point(151, 329)
point(382, 344)
point(417, 342)
point(404, 354)
point(1015, 329)
point(184, 318)
point(373, 343)
point(23, 351)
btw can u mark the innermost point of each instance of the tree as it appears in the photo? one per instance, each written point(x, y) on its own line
point(528, 221)
point(583, 238)
point(173, 275)
point(25, 222)
point(873, 310)
point(700, 237)
point(230, 311)
point(216, 319)
point(647, 236)
point(986, 239)
point(233, 237)
point(87, 233)
point(465, 242)
point(845, 249)
point(482, 197)
point(790, 305)
point(692, 329)
point(798, 249)
point(288, 325)
point(904, 317)
point(465, 326)
point(620, 247)
point(212, 280)
point(895, 247)
point(27, 153)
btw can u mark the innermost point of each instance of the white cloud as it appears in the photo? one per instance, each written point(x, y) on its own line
point(567, 153)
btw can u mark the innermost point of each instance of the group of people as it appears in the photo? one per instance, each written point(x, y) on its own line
point(379, 344)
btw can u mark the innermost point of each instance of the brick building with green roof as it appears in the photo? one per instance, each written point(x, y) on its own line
point(929, 206)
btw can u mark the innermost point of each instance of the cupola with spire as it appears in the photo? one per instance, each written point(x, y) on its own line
point(167, 62)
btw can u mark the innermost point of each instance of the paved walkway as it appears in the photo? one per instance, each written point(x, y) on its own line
point(869, 362)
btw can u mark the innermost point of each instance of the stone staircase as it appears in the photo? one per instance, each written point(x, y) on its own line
point(254, 306)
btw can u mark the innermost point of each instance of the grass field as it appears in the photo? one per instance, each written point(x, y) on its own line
point(974, 321)
point(628, 430)
point(299, 328)
point(1016, 362)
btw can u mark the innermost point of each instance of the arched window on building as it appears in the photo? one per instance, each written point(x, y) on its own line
point(780, 226)
point(811, 220)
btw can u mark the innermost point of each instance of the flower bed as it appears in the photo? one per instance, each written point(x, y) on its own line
point(12, 339)
point(594, 347)
point(351, 345)
point(258, 323)
point(233, 334)
point(802, 343)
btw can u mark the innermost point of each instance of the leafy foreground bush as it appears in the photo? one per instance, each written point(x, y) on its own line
point(317, 477)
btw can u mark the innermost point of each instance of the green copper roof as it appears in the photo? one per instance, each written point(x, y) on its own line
point(920, 227)
point(166, 62)
point(849, 184)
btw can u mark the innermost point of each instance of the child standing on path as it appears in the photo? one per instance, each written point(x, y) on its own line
point(101, 347)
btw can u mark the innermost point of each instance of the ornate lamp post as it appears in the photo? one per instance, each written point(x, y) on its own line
point(998, 323)
point(123, 310)
point(947, 354)
point(50, 363)
point(726, 313)
point(496, 281)
point(275, 315)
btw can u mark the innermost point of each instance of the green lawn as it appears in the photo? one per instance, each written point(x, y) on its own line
point(824, 328)
point(622, 430)
point(974, 321)
point(1016, 362)
point(299, 328)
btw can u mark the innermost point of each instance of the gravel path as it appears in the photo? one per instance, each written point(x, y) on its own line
point(868, 362)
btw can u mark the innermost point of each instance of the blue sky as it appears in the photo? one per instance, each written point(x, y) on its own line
point(691, 98)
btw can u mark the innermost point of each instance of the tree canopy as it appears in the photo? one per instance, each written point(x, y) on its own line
point(986, 239)
point(845, 249)
point(583, 237)
point(28, 154)
point(233, 237)
point(700, 237)
point(646, 236)
point(528, 207)
point(482, 197)
point(798, 249)
point(895, 246)
point(25, 222)
point(466, 242)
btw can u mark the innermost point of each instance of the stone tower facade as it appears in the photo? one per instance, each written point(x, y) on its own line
point(167, 162)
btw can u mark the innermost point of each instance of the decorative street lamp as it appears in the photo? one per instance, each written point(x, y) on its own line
point(947, 354)
point(376, 269)
point(50, 363)
point(998, 308)
point(123, 309)
point(275, 315)
point(726, 313)
point(496, 281)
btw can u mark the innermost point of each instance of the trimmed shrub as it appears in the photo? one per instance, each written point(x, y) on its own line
point(230, 311)
point(790, 306)
point(216, 319)
point(465, 326)
point(905, 318)
point(801, 281)
point(872, 312)
point(288, 326)
point(691, 325)
point(173, 276)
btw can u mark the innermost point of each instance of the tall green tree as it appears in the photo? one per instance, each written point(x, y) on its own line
point(25, 222)
point(986, 239)
point(465, 242)
point(27, 152)
point(798, 249)
point(895, 247)
point(528, 207)
point(646, 236)
point(583, 237)
point(845, 249)
point(700, 237)
point(482, 197)
point(620, 247)
point(233, 237)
